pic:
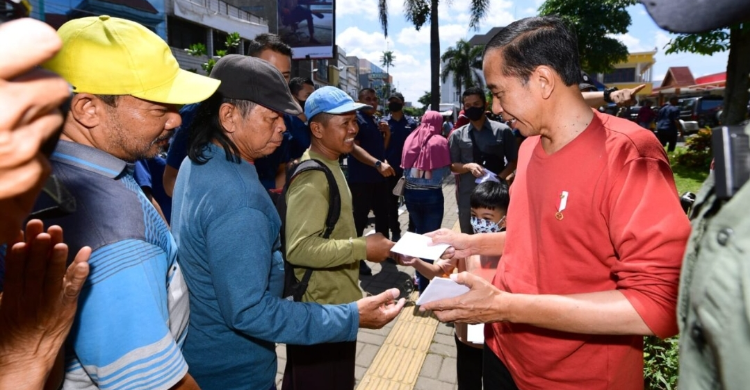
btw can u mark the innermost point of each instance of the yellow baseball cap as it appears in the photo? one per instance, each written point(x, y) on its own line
point(112, 56)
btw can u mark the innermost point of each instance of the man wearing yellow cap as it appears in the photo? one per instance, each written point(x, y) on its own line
point(133, 311)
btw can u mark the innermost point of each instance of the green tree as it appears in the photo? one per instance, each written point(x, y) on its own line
point(736, 39)
point(464, 62)
point(419, 12)
point(426, 100)
point(594, 21)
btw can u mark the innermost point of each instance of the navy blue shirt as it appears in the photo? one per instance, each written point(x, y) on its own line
point(371, 140)
point(666, 118)
point(300, 136)
point(178, 147)
point(399, 131)
point(149, 173)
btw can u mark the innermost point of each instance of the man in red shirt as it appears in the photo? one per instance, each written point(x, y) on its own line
point(595, 231)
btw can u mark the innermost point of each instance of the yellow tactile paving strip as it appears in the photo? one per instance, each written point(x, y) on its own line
point(400, 358)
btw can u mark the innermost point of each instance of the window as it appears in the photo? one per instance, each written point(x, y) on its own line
point(181, 33)
point(220, 40)
point(622, 75)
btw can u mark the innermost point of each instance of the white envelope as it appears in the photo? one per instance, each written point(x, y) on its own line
point(441, 288)
point(417, 245)
point(488, 175)
point(475, 334)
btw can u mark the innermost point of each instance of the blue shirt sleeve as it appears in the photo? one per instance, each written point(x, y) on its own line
point(121, 336)
point(178, 148)
point(142, 174)
point(240, 272)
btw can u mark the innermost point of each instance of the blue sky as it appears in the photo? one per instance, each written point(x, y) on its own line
point(358, 31)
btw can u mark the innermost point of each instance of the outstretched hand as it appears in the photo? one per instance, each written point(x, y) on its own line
point(40, 300)
point(626, 97)
point(376, 311)
point(478, 306)
point(459, 243)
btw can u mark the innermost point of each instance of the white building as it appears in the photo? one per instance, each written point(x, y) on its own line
point(207, 22)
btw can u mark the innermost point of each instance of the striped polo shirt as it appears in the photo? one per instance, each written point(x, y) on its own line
point(133, 311)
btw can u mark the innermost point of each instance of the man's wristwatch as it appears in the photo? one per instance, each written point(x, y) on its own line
point(607, 93)
point(378, 163)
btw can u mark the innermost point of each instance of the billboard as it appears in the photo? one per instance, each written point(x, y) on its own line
point(308, 26)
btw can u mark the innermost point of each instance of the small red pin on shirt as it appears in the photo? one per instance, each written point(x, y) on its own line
point(563, 203)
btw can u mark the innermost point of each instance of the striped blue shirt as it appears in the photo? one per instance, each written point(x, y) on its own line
point(133, 312)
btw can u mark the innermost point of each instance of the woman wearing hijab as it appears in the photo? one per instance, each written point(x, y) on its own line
point(426, 161)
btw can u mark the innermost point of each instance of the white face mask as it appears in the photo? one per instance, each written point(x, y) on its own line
point(486, 226)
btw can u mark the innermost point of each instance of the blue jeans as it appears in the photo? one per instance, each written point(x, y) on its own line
point(426, 211)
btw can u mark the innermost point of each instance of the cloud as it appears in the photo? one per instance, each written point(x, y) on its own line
point(449, 35)
point(353, 37)
point(499, 14)
point(661, 39)
point(361, 8)
point(633, 44)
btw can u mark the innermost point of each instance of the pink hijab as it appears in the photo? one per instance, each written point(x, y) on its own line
point(425, 148)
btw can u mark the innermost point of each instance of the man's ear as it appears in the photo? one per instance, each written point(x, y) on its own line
point(316, 129)
point(87, 109)
point(546, 80)
point(227, 117)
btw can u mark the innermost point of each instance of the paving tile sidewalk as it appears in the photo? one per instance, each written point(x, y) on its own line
point(439, 369)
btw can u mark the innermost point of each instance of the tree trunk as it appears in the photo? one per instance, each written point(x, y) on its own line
point(738, 72)
point(434, 57)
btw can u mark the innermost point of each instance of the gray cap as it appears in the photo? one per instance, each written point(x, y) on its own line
point(692, 16)
point(256, 80)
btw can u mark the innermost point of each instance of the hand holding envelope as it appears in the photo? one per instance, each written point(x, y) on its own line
point(481, 302)
point(417, 245)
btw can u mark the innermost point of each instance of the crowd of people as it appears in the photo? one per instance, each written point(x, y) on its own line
point(569, 266)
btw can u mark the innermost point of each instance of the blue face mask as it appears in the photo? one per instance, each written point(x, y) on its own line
point(486, 226)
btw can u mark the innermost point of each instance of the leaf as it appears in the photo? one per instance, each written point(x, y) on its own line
point(598, 52)
point(707, 43)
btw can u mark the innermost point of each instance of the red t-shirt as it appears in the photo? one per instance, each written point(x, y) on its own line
point(623, 228)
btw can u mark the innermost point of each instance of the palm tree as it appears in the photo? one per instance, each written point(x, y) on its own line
point(417, 12)
point(387, 60)
point(464, 62)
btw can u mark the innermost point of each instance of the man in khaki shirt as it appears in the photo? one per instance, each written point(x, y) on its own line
point(335, 260)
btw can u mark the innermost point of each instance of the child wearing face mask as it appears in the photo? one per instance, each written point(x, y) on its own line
point(489, 205)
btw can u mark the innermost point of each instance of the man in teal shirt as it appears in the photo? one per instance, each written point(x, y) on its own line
point(227, 230)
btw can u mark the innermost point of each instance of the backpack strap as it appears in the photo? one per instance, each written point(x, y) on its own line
point(334, 202)
point(334, 197)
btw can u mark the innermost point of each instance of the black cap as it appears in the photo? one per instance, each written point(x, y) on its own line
point(256, 80)
point(692, 16)
point(585, 84)
point(398, 96)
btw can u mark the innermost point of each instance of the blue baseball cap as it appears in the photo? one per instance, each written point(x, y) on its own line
point(330, 100)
